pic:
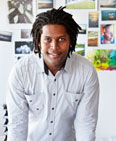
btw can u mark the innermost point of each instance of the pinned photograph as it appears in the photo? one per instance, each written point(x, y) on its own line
point(92, 38)
point(107, 34)
point(81, 4)
point(23, 47)
point(108, 15)
point(93, 19)
point(25, 33)
point(83, 29)
point(108, 3)
point(5, 36)
point(80, 49)
point(20, 11)
point(103, 59)
point(44, 4)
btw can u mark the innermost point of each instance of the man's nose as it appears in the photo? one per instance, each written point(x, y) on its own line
point(54, 44)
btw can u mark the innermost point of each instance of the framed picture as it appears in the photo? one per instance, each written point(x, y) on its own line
point(26, 33)
point(108, 15)
point(23, 47)
point(108, 3)
point(80, 49)
point(43, 4)
point(83, 29)
point(107, 34)
point(20, 11)
point(81, 4)
point(92, 38)
point(103, 59)
point(93, 19)
point(5, 36)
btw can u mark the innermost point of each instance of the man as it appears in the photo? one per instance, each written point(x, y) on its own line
point(53, 94)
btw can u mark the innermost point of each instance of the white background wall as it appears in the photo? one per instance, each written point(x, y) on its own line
point(107, 113)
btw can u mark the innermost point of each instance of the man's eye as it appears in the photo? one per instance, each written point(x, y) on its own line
point(47, 40)
point(61, 39)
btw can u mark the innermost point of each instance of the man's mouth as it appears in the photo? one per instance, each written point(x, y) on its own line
point(54, 55)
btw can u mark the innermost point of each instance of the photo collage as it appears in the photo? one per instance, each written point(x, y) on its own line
point(96, 39)
point(104, 56)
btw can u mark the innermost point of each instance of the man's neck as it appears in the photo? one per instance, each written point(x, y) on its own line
point(54, 69)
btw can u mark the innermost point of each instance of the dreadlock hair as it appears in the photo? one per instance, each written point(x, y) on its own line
point(55, 16)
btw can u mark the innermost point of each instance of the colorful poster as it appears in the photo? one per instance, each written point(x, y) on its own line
point(20, 11)
point(93, 19)
point(92, 38)
point(108, 15)
point(107, 34)
point(103, 59)
point(81, 4)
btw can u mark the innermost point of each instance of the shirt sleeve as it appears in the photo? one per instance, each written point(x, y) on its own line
point(87, 112)
point(17, 107)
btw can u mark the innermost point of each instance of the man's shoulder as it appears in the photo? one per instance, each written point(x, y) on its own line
point(28, 60)
point(79, 60)
point(81, 64)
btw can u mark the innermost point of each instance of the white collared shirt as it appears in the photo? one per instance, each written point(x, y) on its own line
point(45, 107)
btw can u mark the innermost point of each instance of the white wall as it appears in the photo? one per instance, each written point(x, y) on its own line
point(107, 113)
point(5, 59)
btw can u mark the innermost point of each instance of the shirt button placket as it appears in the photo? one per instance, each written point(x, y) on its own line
point(53, 108)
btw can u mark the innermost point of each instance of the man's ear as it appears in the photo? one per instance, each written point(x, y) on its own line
point(38, 44)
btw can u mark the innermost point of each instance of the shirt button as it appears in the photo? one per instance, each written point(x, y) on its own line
point(51, 121)
point(54, 94)
point(30, 100)
point(37, 108)
point(76, 100)
point(52, 108)
point(50, 133)
point(55, 79)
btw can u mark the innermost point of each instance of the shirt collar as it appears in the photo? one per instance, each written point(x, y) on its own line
point(40, 63)
point(44, 68)
point(68, 63)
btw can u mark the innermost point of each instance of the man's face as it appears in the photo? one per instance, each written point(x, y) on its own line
point(54, 44)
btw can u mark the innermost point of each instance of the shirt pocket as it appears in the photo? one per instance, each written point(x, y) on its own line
point(35, 103)
point(73, 99)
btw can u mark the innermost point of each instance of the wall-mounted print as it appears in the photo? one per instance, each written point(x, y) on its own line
point(108, 3)
point(25, 33)
point(83, 29)
point(20, 11)
point(93, 19)
point(80, 49)
point(44, 4)
point(92, 38)
point(5, 36)
point(81, 4)
point(22, 47)
point(103, 59)
point(107, 34)
point(108, 15)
